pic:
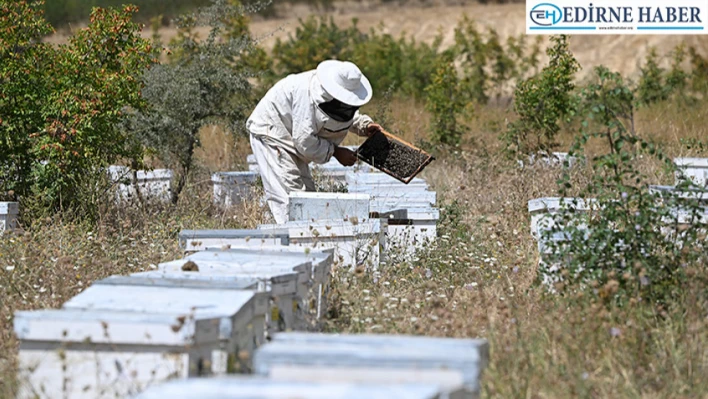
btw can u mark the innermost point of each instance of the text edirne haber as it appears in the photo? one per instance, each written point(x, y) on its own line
point(627, 14)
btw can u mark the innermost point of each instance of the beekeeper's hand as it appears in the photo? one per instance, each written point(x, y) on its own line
point(345, 156)
point(372, 129)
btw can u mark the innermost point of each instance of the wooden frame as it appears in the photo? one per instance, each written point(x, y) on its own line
point(391, 137)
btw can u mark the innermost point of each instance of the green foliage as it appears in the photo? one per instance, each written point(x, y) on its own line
point(444, 103)
point(388, 62)
point(203, 85)
point(486, 65)
point(657, 84)
point(314, 41)
point(632, 246)
point(59, 106)
point(651, 82)
point(699, 71)
point(543, 101)
point(400, 63)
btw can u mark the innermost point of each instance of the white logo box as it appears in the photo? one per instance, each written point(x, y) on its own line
point(603, 17)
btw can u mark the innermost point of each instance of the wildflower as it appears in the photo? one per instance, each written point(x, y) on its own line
point(615, 332)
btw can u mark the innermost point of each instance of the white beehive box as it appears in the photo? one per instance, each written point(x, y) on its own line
point(354, 243)
point(411, 229)
point(382, 206)
point(236, 310)
point(268, 269)
point(198, 240)
point(310, 206)
point(206, 282)
point(105, 354)
point(695, 169)
point(263, 388)
point(231, 188)
point(450, 382)
point(542, 211)
point(321, 265)
point(8, 215)
point(382, 180)
point(151, 184)
point(468, 356)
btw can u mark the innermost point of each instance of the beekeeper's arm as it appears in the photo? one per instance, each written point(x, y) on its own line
point(305, 137)
point(363, 125)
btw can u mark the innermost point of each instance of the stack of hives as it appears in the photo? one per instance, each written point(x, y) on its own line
point(382, 212)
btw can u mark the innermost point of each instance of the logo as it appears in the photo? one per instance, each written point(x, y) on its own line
point(626, 17)
point(546, 14)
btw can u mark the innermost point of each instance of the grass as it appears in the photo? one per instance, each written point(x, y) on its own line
point(477, 282)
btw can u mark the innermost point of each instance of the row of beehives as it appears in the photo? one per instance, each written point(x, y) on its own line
point(201, 315)
point(542, 210)
point(206, 313)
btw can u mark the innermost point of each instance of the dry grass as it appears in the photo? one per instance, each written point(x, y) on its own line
point(478, 282)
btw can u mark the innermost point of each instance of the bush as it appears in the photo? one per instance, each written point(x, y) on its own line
point(386, 61)
point(486, 65)
point(633, 246)
point(444, 103)
point(59, 106)
point(202, 85)
point(542, 102)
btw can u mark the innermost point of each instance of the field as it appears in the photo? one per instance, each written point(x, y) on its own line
point(478, 282)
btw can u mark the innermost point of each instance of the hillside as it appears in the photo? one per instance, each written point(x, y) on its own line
point(622, 53)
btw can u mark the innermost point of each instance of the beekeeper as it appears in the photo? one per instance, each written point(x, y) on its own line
point(304, 118)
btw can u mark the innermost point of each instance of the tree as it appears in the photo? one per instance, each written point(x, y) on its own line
point(59, 106)
point(203, 85)
point(542, 101)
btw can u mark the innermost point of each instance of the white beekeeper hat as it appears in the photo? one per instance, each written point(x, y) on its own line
point(344, 81)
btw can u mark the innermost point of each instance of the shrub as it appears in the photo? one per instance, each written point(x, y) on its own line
point(651, 87)
point(543, 101)
point(314, 41)
point(633, 246)
point(59, 106)
point(444, 103)
point(486, 65)
point(202, 86)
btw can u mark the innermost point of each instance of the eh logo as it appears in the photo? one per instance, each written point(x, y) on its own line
point(546, 14)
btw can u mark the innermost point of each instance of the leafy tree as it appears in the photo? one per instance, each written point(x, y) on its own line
point(543, 101)
point(59, 106)
point(203, 85)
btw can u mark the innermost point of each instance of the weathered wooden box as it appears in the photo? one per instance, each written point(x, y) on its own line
point(311, 206)
point(542, 211)
point(231, 188)
point(374, 351)
point(286, 307)
point(321, 265)
point(8, 215)
point(449, 382)
point(107, 354)
point(198, 240)
point(409, 230)
point(694, 169)
point(206, 282)
point(148, 184)
point(236, 310)
point(355, 242)
point(264, 388)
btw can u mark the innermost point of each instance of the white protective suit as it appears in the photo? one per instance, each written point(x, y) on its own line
point(288, 131)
